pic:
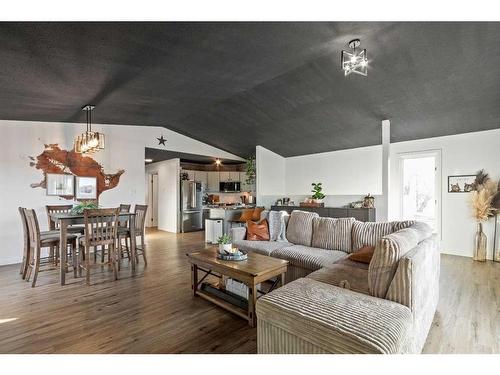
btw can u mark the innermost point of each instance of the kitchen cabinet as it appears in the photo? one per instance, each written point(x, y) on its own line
point(244, 185)
point(190, 174)
point(202, 176)
point(229, 176)
point(234, 176)
point(213, 181)
point(223, 177)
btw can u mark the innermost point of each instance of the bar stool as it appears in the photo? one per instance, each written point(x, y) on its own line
point(36, 241)
point(101, 227)
point(124, 233)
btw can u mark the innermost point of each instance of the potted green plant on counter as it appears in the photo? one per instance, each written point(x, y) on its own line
point(317, 191)
point(225, 245)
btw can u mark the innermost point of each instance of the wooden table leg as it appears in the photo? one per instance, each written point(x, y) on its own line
point(194, 278)
point(283, 278)
point(63, 246)
point(133, 244)
point(252, 300)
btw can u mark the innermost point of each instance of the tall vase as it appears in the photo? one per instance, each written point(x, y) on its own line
point(496, 239)
point(480, 244)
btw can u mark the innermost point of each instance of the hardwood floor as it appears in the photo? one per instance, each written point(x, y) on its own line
point(155, 312)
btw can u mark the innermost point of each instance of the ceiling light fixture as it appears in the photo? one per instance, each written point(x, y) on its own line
point(89, 142)
point(148, 160)
point(355, 61)
point(218, 162)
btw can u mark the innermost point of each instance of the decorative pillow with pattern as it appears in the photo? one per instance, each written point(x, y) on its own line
point(300, 227)
point(398, 225)
point(332, 234)
point(369, 234)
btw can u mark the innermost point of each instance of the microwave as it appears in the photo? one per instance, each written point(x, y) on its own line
point(230, 187)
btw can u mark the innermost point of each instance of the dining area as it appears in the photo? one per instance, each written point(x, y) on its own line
point(79, 241)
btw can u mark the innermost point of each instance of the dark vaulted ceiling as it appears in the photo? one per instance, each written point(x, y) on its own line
point(238, 85)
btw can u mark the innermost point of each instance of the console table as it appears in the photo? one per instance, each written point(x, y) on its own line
point(361, 214)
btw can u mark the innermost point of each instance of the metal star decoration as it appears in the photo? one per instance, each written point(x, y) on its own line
point(161, 141)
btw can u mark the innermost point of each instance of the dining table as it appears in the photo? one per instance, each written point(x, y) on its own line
point(63, 220)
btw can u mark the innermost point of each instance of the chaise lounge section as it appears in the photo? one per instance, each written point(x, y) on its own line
point(331, 304)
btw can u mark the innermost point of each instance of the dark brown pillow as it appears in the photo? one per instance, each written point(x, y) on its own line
point(363, 255)
point(257, 231)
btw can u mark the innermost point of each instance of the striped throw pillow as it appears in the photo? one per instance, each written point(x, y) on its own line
point(300, 227)
point(332, 234)
point(369, 234)
point(386, 258)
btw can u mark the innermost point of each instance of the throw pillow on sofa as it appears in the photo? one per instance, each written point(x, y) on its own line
point(369, 233)
point(363, 255)
point(257, 231)
point(300, 227)
point(277, 227)
point(332, 234)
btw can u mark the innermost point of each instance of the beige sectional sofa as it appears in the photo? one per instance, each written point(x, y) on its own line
point(333, 305)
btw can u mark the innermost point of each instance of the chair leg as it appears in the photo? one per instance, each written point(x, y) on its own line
point(118, 256)
point(81, 255)
point(75, 259)
point(112, 257)
point(87, 263)
point(143, 246)
point(102, 253)
point(127, 248)
point(36, 265)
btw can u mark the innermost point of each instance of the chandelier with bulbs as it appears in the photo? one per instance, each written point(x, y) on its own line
point(354, 61)
point(90, 141)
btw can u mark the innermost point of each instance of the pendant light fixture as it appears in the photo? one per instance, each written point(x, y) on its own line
point(355, 61)
point(90, 141)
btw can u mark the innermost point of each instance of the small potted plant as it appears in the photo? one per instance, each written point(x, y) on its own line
point(317, 189)
point(82, 206)
point(225, 245)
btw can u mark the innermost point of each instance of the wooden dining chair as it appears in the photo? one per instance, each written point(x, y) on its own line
point(124, 233)
point(101, 226)
point(53, 226)
point(38, 240)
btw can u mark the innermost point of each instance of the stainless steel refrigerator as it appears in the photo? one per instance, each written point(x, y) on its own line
point(191, 215)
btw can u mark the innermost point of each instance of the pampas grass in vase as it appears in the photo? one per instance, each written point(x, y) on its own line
point(481, 211)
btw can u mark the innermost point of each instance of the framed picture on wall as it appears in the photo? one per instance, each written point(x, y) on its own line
point(461, 183)
point(60, 184)
point(86, 187)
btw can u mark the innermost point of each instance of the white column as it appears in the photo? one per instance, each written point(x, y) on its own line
point(386, 142)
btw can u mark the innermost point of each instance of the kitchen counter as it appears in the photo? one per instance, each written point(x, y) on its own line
point(228, 214)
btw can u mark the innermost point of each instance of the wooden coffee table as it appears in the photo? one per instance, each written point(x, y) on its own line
point(253, 271)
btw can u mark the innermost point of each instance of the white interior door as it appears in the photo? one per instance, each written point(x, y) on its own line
point(420, 187)
point(153, 201)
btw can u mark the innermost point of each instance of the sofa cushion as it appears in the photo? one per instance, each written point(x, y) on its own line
point(343, 276)
point(333, 234)
point(310, 258)
point(369, 233)
point(398, 225)
point(386, 258)
point(336, 320)
point(300, 227)
point(260, 247)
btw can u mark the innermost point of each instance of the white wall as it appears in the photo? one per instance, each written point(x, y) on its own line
point(346, 172)
point(168, 193)
point(460, 154)
point(124, 150)
point(270, 184)
point(348, 175)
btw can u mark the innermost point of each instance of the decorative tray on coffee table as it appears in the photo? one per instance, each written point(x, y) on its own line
point(238, 255)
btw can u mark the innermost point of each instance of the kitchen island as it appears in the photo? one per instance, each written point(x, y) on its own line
point(228, 214)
